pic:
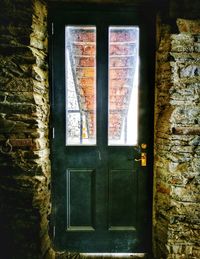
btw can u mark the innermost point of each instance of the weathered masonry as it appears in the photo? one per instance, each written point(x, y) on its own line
point(25, 172)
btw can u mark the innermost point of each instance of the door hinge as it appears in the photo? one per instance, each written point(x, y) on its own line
point(53, 133)
point(54, 232)
point(52, 28)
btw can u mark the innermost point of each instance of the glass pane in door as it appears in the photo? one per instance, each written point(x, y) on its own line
point(80, 70)
point(123, 85)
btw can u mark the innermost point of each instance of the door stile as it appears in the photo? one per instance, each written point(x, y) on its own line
point(58, 118)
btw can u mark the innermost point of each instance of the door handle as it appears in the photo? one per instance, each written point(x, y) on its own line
point(143, 159)
point(140, 154)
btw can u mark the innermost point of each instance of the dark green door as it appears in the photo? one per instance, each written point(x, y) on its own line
point(102, 124)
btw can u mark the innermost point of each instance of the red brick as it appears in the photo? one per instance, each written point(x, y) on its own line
point(125, 49)
point(121, 62)
point(84, 82)
point(85, 62)
point(81, 49)
point(83, 36)
point(118, 91)
point(123, 82)
point(118, 73)
point(122, 36)
point(86, 72)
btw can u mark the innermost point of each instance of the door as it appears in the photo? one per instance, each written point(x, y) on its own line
point(102, 129)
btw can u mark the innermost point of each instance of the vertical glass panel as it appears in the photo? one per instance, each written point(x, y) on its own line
point(80, 65)
point(123, 85)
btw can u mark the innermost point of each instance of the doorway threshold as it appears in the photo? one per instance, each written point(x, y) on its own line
point(66, 255)
point(113, 255)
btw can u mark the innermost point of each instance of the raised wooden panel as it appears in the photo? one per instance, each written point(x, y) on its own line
point(80, 200)
point(122, 200)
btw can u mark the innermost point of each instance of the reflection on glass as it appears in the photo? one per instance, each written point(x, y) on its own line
point(80, 63)
point(123, 85)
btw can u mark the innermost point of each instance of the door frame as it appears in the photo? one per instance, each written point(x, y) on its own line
point(54, 10)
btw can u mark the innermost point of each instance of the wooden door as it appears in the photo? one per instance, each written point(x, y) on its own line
point(102, 123)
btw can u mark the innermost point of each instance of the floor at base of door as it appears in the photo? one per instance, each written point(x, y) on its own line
point(66, 255)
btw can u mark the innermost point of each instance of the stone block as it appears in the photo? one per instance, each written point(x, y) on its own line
point(182, 43)
point(188, 26)
point(163, 188)
point(22, 97)
point(195, 141)
point(18, 84)
point(25, 58)
point(182, 149)
point(196, 164)
point(185, 95)
point(178, 169)
point(37, 43)
point(197, 47)
point(40, 144)
point(186, 115)
point(161, 230)
point(184, 58)
point(17, 108)
point(10, 127)
point(183, 194)
point(190, 71)
point(39, 74)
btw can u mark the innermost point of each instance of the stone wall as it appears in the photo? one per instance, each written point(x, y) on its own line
point(24, 112)
point(177, 141)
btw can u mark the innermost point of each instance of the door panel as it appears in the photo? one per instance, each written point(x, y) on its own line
point(101, 193)
point(80, 197)
point(122, 199)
